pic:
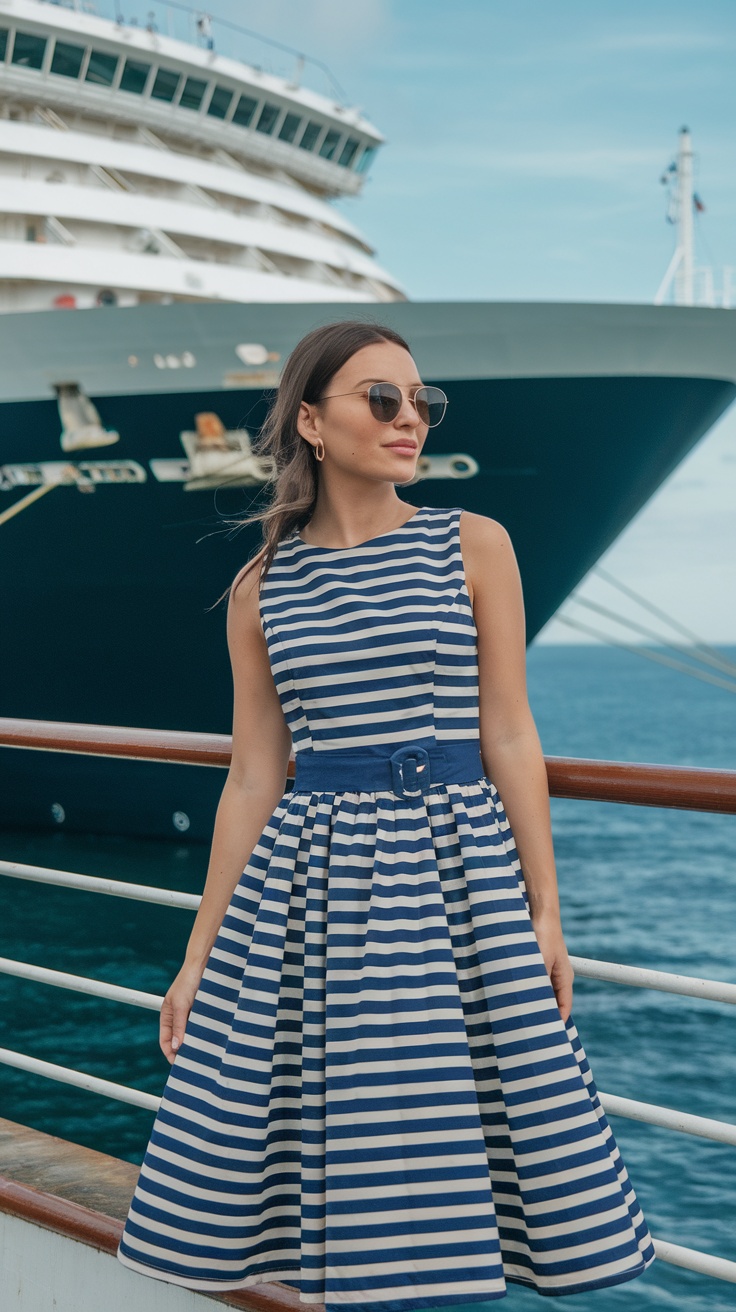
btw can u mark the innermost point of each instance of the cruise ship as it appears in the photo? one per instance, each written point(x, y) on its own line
point(168, 232)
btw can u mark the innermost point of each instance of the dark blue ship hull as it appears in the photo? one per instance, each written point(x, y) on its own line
point(106, 595)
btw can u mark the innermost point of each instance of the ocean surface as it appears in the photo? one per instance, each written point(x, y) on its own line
point(642, 885)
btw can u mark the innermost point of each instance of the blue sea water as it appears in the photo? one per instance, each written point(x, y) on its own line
point(649, 886)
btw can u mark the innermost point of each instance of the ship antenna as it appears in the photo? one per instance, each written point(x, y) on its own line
point(682, 265)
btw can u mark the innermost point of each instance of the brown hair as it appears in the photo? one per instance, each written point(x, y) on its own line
point(311, 365)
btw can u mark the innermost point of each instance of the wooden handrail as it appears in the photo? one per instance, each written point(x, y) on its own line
point(687, 788)
point(174, 745)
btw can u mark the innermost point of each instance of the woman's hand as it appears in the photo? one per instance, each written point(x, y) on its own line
point(557, 962)
point(176, 1008)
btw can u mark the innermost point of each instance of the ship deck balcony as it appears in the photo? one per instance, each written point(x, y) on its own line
point(117, 224)
point(76, 63)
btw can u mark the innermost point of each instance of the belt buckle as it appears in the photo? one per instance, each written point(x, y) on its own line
point(415, 760)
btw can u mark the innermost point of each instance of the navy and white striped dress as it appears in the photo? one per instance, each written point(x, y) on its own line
point(376, 1100)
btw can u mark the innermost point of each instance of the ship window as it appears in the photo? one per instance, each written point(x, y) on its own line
point(220, 102)
point(135, 76)
point(289, 127)
point(327, 149)
point(67, 59)
point(101, 68)
point(267, 117)
point(193, 93)
point(29, 50)
point(165, 84)
point(348, 152)
point(244, 111)
point(3, 41)
point(310, 135)
point(365, 159)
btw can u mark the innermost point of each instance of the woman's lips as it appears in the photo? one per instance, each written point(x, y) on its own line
point(406, 448)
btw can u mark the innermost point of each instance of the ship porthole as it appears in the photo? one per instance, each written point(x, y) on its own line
point(58, 813)
point(463, 466)
point(181, 821)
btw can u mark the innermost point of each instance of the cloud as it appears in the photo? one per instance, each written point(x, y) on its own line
point(620, 42)
point(689, 42)
point(600, 163)
point(330, 26)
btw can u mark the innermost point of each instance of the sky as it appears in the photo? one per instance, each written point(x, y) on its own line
point(525, 141)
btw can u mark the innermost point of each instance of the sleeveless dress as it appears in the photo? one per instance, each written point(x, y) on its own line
point(376, 1100)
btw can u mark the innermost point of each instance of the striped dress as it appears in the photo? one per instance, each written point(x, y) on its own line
point(376, 1100)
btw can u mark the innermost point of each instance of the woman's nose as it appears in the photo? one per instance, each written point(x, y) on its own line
point(408, 414)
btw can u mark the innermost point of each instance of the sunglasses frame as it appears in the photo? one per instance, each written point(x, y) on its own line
point(365, 391)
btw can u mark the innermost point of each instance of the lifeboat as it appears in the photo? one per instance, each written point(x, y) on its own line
point(219, 456)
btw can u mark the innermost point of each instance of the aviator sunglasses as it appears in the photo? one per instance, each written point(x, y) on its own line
point(385, 400)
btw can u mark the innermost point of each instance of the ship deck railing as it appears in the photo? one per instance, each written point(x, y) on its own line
point(683, 788)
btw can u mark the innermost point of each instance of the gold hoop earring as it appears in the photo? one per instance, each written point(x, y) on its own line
point(314, 448)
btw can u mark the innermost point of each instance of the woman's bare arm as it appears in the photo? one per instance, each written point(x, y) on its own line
point(510, 746)
point(255, 783)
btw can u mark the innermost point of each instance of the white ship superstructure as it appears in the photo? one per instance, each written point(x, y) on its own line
point(136, 167)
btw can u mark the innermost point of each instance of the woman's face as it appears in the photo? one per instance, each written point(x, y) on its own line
point(353, 439)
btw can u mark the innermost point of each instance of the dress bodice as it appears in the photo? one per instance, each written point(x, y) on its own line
point(374, 643)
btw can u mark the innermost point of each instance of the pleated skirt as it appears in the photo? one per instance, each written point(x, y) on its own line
point(376, 1100)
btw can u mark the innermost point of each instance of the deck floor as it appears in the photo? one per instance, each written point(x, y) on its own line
point(67, 1170)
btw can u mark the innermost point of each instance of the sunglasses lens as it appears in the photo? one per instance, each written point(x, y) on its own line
point(384, 400)
point(431, 404)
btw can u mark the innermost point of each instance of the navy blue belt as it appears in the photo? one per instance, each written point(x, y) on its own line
point(408, 771)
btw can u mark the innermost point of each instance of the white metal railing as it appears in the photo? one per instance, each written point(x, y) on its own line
point(80, 984)
point(693, 1260)
point(120, 1092)
point(607, 971)
point(652, 1113)
point(613, 972)
point(91, 884)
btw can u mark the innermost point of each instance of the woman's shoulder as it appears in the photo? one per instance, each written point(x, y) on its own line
point(249, 565)
point(482, 533)
point(244, 591)
point(487, 551)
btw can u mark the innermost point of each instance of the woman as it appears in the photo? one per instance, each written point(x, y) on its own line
point(377, 1092)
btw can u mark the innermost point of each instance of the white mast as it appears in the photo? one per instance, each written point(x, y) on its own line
point(684, 280)
point(682, 265)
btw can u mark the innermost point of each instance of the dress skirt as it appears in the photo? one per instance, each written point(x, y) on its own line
point(376, 1099)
